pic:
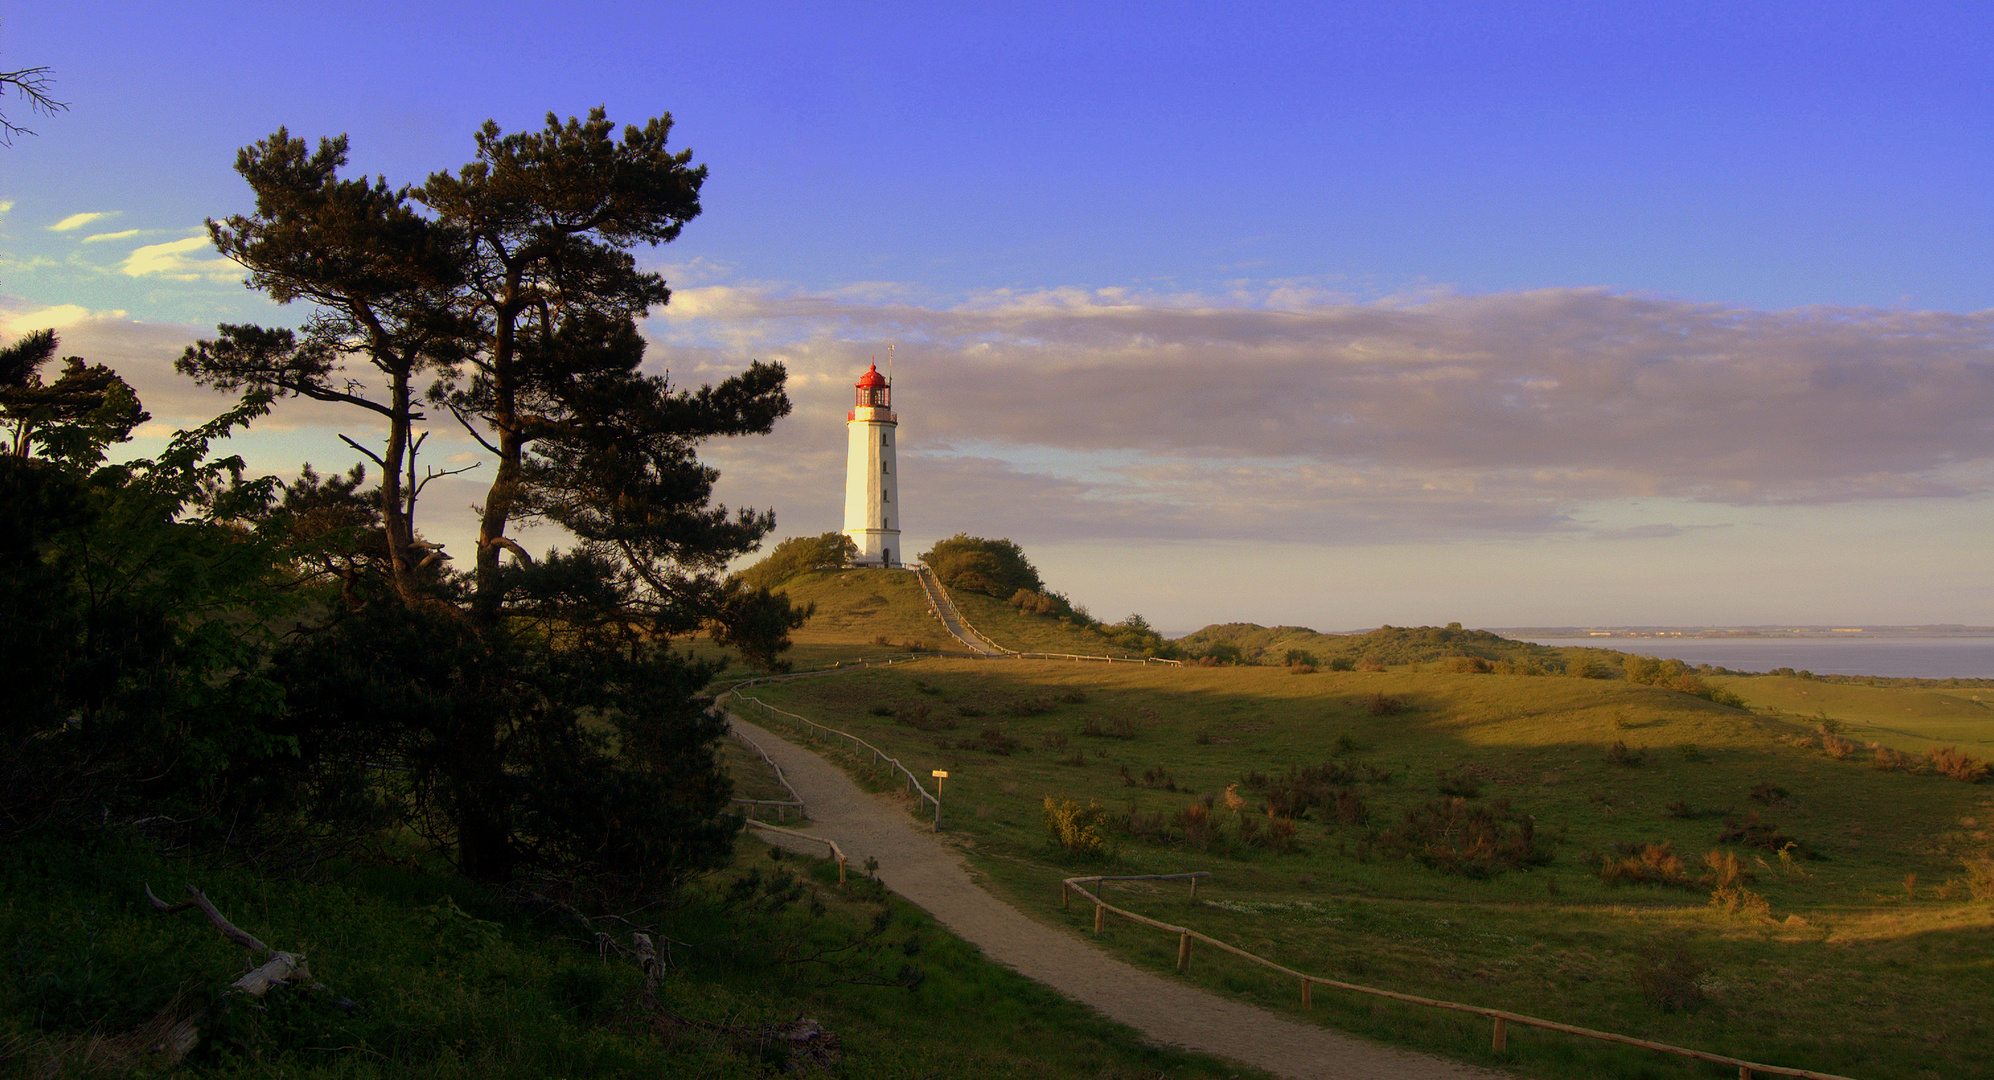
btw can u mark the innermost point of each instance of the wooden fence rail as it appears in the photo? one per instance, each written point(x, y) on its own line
point(837, 852)
point(795, 801)
point(1501, 1017)
point(927, 575)
point(858, 745)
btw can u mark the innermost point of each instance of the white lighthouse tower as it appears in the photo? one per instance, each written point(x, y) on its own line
point(872, 482)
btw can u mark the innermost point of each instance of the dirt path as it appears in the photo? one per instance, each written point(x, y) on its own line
point(913, 863)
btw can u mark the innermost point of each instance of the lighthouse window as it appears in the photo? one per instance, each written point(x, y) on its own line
point(885, 467)
point(886, 495)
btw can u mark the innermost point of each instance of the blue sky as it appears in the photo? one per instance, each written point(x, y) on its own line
point(1320, 314)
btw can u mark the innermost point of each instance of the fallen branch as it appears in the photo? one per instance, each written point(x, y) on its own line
point(279, 969)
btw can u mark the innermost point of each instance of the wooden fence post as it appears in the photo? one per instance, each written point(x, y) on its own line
point(1194, 887)
point(1307, 1003)
point(1062, 894)
point(1501, 1041)
point(841, 869)
point(1100, 912)
point(1183, 951)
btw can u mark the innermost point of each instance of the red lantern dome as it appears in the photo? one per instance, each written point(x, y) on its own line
point(873, 390)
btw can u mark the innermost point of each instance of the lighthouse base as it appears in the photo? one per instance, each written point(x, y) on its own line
point(876, 547)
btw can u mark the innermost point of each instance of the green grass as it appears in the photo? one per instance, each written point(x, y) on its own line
point(1552, 941)
point(752, 776)
point(1911, 715)
point(1013, 629)
point(450, 983)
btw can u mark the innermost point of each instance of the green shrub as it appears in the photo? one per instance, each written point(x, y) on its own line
point(1669, 975)
point(1635, 862)
point(798, 555)
point(1948, 761)
point(1074, 827)
point(1471, 839)
point(992, 567)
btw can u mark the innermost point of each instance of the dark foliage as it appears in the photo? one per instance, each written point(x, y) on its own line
point(798, 555)
point(529, 714)
point(992, 567)
point(1459, 837)
point(1755, 832)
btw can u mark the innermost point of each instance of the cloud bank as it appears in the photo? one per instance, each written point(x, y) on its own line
point(1288, 414)
point(1284, 412)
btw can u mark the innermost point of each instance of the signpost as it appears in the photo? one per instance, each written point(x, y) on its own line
point(939, 775)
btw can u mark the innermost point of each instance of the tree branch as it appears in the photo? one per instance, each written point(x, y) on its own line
point(229, 930)
point(372, 456)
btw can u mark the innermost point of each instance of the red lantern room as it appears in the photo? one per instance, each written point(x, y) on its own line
point(873, 390)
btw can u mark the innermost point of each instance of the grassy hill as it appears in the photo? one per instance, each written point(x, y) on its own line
point(1388, 645)
point(428, 975)
point(1521, 842)
point(1906, 714)
point(875, 612)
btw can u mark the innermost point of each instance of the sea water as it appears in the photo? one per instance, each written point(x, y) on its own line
point(1904, 657)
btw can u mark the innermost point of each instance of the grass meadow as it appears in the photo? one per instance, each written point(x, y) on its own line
point(443, 979)
point(1540, 844)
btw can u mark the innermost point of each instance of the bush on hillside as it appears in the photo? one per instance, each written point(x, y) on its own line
point(992, 567)
point(1638, 863)
point(798, 555)
point(1471, 839)
point(1074, 827)
point(1452, 646)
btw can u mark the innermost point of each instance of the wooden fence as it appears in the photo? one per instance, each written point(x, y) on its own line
point(859, 746)
point(837, 852)
point(795, 801)
point(1502, 1018)
point(927, 576)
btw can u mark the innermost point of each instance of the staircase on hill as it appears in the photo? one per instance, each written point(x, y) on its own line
point(952, 620)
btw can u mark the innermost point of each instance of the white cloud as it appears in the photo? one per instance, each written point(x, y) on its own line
point(175, 260)
point(77, 221)
point(95, 238)
point(61, 316)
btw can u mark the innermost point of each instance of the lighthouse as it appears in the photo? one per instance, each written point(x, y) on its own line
point(872, 495)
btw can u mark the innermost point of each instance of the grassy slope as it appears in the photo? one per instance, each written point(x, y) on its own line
point(855, 608)
point(1552, 941)
point(450, 985)
point(1911, 717)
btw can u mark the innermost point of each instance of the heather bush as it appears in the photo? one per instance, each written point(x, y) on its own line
point(1619, 754)
point(1459, 783)
point(1755, 832)
point(1766, 793)
point(1639, 863)
point(1074, 827)
point(1384, 705)
point(1669, 975)
point(1948, 761)
point(1459, 837)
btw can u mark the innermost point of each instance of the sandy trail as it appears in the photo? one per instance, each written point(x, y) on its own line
point(918, 866)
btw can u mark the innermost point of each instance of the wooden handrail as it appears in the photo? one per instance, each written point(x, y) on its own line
point(879, 756)
point(837, 852)
point(1502, 1017)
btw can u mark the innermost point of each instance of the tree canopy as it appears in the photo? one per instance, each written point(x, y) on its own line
point(543, 718)
point(993, 567)
point(798, 555)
